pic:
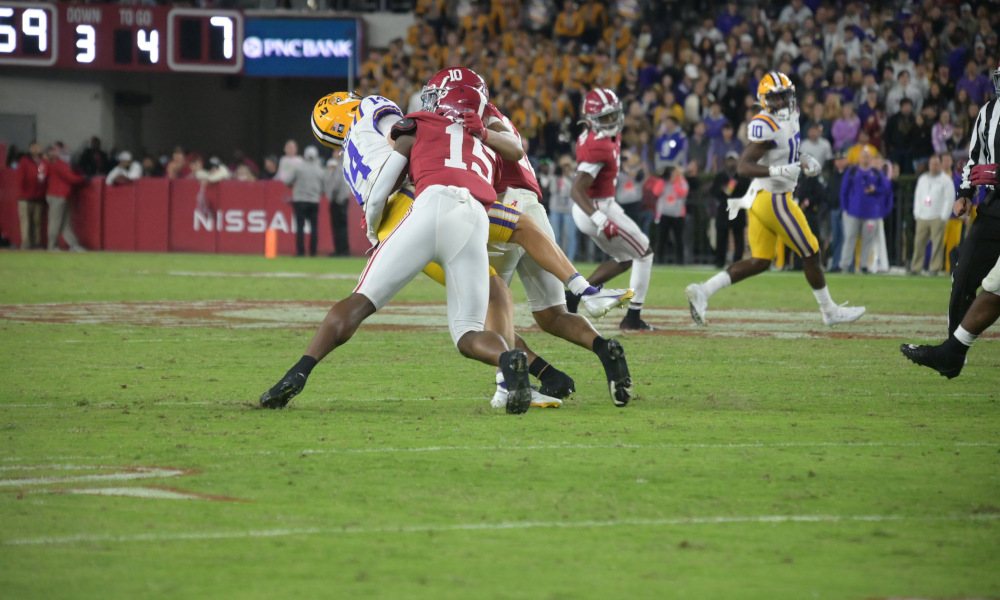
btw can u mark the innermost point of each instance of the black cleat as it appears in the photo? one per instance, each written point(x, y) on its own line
point(612, 357)
point(514, 366)
point(557, 384)
point(289, 387)
point(948, 364)
point(572, 301)
point(635, 324)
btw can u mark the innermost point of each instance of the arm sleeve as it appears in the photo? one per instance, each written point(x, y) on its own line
point(404, 126)
point(591, 169)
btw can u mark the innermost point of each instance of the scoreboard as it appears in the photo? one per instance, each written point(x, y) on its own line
point(162, 38)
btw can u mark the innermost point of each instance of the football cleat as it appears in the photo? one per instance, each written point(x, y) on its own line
point(612, 357)
point(514, 365)
point(604, 301)
point(698, 302)
point(635, 324)
point(947, 364)
point(289, 387)
point(538, 399)
point(842, 314)
point(556, 384)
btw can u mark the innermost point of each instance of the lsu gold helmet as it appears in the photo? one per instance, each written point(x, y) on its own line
point(776, 94)
point(332, 117)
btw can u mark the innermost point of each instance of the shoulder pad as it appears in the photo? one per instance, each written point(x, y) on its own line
point(404, 126)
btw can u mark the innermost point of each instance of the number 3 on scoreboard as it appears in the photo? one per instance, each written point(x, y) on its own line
point(483, 154)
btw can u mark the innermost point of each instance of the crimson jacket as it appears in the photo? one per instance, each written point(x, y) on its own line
point(62, 179)
point(32, 178)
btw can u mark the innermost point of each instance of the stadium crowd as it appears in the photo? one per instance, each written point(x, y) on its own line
point(896, 82)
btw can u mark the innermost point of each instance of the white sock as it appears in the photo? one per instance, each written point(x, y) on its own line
point(826, 303)
point(964, 336)
point(577, 284)
point(716, 282)
point(642, 268)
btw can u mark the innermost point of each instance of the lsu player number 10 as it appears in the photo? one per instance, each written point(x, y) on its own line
point(773, 159)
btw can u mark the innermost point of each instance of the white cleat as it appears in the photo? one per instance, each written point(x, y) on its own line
point(540, 400)
point(843, 314)
point(698, 302)
point(604, 301)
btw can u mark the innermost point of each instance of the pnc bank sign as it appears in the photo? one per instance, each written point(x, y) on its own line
point(288, 47)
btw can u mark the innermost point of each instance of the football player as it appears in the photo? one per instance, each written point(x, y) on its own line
point(446, 223)
point(595, 211)
point(772, 158)
point(518, 188)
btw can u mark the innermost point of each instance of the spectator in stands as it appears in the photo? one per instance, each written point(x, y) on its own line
point(32, 176)
point(151, 167)
point(239, 158)
point(630, 181)
point(854, 152)
point(932, 204)
point(730, 19)
point(671, 145)
point(306, 181)
point(671, 208)
point(714, 121)
point(126, 171)
point(177, 167)
point(719, 148)
point(569, 26)
point(270, 170)
point(817, 146)
point(62, 180)
point(835, 179)
point(538, 15)
point(901, 136)
point(845, 129)
point(728, 184)
point(339, 194)
point(561, 207)
point(865, 198)
point(697, 147)
point(978, 86)
point(243, 173)
point(94, 161)
point(903, 90)
point(215, 172)
point(289, 163)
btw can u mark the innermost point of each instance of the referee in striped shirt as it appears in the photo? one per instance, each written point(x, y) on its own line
point(981, 248)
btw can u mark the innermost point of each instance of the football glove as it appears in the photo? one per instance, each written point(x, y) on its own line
point(474, 125)
point(789, 172)
point(983, 175)
point(605, 225)
point(810, 166)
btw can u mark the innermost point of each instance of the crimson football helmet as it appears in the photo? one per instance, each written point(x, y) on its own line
point(455, 101)
point(602, 110)
point(446, 79)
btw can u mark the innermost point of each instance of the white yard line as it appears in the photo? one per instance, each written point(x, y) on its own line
point(127, 475)
point(457, 527)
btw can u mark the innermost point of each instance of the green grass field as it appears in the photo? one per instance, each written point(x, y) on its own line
point(766, 456)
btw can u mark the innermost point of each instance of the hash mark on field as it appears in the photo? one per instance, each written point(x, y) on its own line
point(271, 533)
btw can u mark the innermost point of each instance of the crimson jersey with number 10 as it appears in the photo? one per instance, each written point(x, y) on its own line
point(595, 148)
point(445, 154)
point(514, 174)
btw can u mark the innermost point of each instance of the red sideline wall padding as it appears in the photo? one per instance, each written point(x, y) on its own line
point(119, 217)
point(152, 215)
point(159, 215)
